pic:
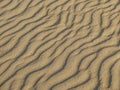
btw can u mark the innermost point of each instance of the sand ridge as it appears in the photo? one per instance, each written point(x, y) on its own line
point(59, 44)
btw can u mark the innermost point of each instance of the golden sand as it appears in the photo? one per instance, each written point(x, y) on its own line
point(59, 44)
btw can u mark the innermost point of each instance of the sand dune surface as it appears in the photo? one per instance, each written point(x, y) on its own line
point(59, 44)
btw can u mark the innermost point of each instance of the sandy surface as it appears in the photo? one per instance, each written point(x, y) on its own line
point(59, 44)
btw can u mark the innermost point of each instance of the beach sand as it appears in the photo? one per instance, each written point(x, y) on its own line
point(59, 44)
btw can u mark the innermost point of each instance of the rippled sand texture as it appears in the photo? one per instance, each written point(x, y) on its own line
point(59, 44)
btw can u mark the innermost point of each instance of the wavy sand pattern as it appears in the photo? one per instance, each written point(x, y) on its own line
point(59, 44)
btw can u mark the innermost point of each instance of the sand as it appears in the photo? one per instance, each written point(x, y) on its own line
point(59, 44)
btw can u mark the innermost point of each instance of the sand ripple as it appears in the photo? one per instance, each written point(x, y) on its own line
point(59, 44)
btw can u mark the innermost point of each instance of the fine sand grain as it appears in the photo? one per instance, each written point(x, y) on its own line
point(59, 44)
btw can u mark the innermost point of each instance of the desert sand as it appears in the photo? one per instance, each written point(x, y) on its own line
point(59, 44)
